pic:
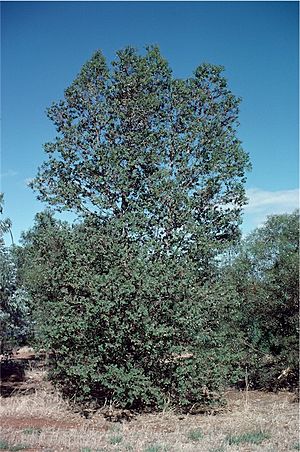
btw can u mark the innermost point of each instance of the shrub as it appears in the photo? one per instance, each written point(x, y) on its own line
point(265, 274)
point(118, 322)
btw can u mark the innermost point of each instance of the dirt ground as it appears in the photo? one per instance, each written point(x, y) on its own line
point(34, 417)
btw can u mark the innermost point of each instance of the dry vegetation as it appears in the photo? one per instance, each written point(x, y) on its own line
point(35, 418)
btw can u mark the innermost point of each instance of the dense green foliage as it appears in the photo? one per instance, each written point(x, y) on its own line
point(153, 166)
point(132, 299)
point(15, 322)
point(118, 321)
point(135, 300)
point(265, 275)
point(157, 157)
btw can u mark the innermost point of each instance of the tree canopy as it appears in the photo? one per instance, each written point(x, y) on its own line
point(155, 155)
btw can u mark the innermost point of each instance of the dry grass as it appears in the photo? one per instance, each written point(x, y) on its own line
point(44, 421)
point(43, 403)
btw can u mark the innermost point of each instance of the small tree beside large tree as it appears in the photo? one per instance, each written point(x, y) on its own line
point(265, 275)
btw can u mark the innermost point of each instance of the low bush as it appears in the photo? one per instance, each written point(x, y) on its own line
point(265, 276)
point(125, 328)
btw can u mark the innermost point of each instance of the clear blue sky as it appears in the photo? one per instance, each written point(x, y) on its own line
point(44, 45)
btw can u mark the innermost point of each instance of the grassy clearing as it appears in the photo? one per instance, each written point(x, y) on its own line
point(249, 437)
point(44, 421)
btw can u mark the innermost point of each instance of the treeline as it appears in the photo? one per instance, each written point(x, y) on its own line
point(150, 298)
point(138, 332)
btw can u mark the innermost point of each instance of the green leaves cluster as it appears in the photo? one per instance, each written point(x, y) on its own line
point(15, 322)
point(155, 155)
point(118, 322)
point(265, 275)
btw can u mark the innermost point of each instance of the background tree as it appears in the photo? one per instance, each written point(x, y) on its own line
point(5, 223)
point(265, 274)
point(14, 310)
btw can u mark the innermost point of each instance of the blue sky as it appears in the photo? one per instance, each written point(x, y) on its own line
point(44, 44)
